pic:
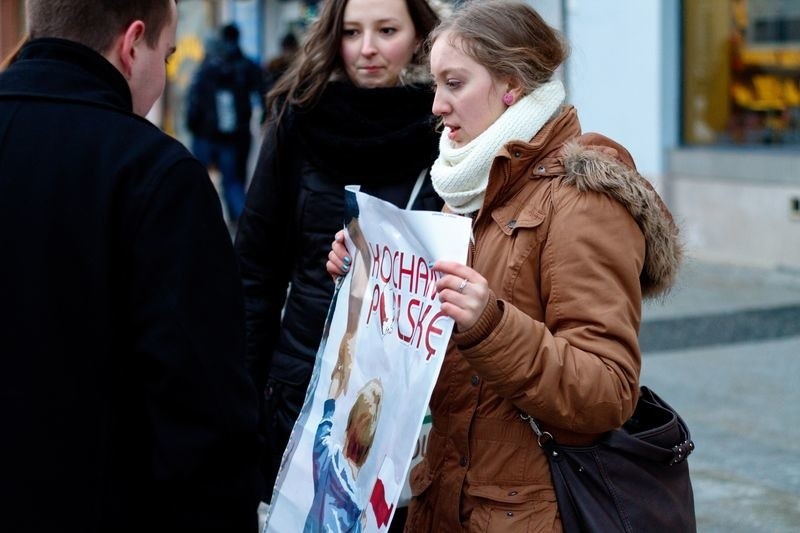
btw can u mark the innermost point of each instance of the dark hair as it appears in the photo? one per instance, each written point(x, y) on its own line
point(230, 33)
point(289, 42)
point(96, 23)
point(508, 37)
point(319, 58)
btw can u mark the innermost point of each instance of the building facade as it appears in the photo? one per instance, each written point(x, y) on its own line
point(704, 93)
point(735, 176)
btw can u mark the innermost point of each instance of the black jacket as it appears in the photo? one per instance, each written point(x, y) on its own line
point(237, 76)
point(124, 397)
point(380, 139)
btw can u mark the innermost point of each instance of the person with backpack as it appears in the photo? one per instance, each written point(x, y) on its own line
point(220, 106)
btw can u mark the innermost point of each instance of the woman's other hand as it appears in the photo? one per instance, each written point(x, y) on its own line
point(463, 292)
point(339, 260)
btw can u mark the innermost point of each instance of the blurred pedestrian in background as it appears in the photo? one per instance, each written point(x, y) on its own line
point(219, 109)
point(353, 108)
point(126, 401)
point(568, 239)
point(279, 64)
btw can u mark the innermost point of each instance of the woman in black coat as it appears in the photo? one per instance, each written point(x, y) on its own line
point(353, 109)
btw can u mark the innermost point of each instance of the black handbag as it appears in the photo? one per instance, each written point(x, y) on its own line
point(635, 479)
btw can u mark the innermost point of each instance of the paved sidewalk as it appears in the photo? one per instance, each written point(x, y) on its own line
point(714, 304)
point(724, 349)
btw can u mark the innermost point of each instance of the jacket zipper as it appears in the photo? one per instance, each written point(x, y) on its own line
point(473, 242)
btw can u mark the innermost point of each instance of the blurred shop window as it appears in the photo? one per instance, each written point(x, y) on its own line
point(198, 20)
point(741, 72)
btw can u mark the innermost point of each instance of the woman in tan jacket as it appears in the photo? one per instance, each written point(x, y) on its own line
point(567, 240)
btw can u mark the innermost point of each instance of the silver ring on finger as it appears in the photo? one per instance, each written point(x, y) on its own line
point(462, 285)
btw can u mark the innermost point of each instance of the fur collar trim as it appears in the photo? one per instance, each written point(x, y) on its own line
point(595, 163)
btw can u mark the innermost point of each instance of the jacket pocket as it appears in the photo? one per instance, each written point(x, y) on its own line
point(504, 452)
point(420, 478)
point(422, 475)
point(509, 221)
point(514, 238)
point(284, 395)
point(292, 370)
point(511, 509)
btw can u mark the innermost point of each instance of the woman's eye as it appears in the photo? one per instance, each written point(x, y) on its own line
point(453, 84)
point(350, 33)
point(389, 31)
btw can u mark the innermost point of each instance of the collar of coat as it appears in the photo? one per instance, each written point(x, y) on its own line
point(593, 162)
point(372, 136)
point(58, 69)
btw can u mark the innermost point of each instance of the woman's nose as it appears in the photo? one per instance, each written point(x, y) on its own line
point(368, 45)
point(439, 107)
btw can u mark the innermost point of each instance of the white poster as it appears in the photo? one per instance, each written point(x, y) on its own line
point(384, 342)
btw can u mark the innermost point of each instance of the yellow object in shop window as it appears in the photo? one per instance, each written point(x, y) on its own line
point(769, 92)
point(791, 93)
point(767, 87)
point(742, 95)
point(790, 58)
point(739, 12)
point(759, 58)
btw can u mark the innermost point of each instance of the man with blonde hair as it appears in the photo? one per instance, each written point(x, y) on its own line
point(126, 404)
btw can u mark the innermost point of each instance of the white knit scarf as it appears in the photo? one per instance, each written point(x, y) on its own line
point(460, 175)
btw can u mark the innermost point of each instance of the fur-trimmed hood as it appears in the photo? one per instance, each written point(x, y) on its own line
point(594, 162)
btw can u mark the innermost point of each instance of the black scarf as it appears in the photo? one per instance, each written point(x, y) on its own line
point(383, 135)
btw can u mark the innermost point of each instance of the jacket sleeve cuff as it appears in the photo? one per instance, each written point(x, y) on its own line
point(486, 323)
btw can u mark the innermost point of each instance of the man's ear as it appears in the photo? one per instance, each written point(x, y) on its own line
point(125, 48)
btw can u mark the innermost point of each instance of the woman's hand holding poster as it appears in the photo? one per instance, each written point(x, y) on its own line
point(384, 342)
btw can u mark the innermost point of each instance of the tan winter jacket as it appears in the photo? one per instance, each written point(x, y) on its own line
point(570, 238)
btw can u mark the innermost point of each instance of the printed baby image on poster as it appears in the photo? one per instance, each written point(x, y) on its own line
point(347, 461)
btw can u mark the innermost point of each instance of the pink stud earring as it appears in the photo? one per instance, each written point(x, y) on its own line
point(508, 98)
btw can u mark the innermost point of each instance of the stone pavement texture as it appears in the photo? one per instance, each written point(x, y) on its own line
point(724, 349)
point(718, 304)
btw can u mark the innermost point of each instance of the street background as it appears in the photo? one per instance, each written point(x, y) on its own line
point(723, 348)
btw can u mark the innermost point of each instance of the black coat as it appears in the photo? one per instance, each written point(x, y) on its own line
point(124, 396)
point(234, 74)
point(380, 139)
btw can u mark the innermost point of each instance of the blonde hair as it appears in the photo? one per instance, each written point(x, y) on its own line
point(508, 38)
point(362, 422)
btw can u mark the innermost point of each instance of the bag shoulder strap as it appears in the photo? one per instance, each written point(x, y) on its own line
point(621, 439)
point(417, 188)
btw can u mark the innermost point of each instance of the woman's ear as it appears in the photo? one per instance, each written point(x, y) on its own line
point(513, 92)
point(515, 89)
